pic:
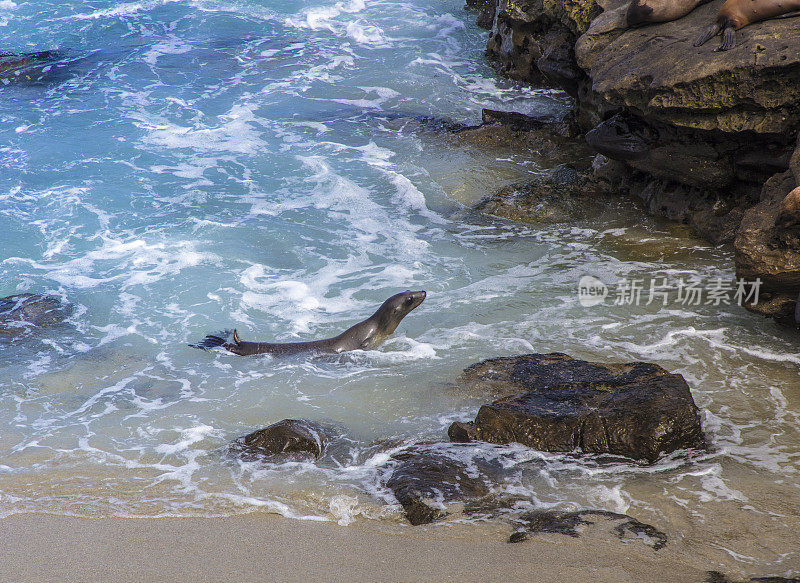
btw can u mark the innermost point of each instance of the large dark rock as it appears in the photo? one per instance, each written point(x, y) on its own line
point(425, 481)
point(485, 10)
point(24, 313)
point(290, 437)
point(768, 248)
point(637, 410)
point(522, 33)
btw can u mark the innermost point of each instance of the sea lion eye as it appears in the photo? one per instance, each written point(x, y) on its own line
point(409, 301)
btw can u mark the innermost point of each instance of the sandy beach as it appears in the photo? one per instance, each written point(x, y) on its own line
point(262, 547)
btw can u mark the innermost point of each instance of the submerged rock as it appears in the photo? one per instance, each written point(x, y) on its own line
point(717, 577)
point(573, 523)
point(290, 437)
point(637, 410)
point(560, 195)
point(426, 481)
point(518, 121)
point(32, 68)
point(24, 313)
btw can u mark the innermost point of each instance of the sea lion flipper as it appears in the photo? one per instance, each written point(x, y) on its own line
point(708, 33)
point(209, 342)
point(728, 39)
point(236, 339)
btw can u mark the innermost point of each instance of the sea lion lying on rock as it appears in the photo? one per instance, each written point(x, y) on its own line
point(641, 12)
point(736, 14)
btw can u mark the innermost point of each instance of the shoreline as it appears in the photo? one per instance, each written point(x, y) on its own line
point(267, 547)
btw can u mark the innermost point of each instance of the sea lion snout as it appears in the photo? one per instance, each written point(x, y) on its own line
point(417, 297)
point(406, 301)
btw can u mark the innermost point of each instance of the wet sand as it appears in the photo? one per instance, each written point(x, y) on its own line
point(263, 547)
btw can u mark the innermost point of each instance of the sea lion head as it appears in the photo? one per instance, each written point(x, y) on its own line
point(397, 307)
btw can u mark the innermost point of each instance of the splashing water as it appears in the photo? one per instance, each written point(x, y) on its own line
point(197, 165)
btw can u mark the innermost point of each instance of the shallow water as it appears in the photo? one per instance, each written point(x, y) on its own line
point(194, 166)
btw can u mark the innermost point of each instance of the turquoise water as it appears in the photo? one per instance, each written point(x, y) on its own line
point(194, 166)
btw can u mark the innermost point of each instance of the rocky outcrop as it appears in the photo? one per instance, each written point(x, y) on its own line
point(698, 140)
point(524, 30)
point(567, 190)
point(693, 132)
point(425, 482)
point(752, 88)
point(485, 10)
point(768, 248)
point(287, 438)
point(23, 314)
point(637, 410)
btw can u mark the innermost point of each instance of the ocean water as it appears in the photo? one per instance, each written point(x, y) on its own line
point(189, 166)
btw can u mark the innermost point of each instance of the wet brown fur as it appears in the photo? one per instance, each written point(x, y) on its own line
point(736, 14)
point(642, 12)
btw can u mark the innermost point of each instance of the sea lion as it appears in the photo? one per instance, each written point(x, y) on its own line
point(365, 335)
point(736, 14)
point(651, 11)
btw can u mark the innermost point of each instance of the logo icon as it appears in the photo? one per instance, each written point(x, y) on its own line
point(591, 291)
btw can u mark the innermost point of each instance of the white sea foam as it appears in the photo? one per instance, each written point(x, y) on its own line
point(344, 509)
point(235, 132)
point(126, 262)
point(171, 46)
point(383, 94)
point(323, 17)
point(124, 10)
point(366, 34)
point(189, 436)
